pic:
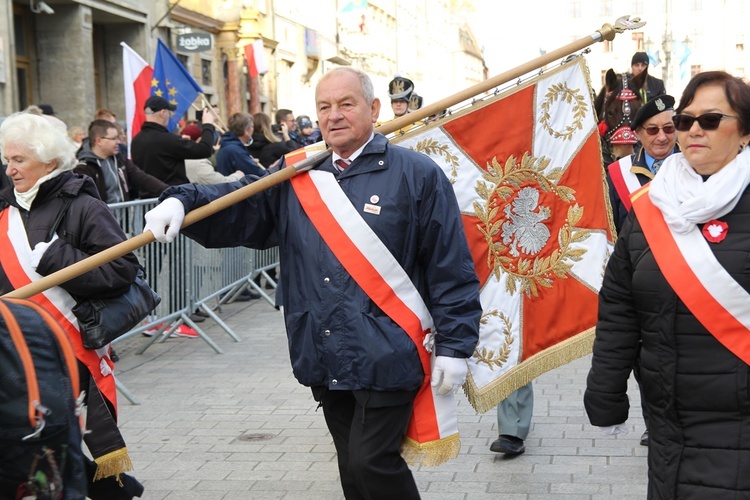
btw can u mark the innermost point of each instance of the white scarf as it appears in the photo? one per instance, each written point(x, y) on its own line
point(686, 200)
point(25, 199)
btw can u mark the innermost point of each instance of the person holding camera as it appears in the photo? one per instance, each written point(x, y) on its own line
point(267, 145)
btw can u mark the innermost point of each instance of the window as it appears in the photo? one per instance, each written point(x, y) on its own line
point(604, 77)
point(638, 39)
point(608, 46)
point(695, 69)
point(205, 72)
point(184, 60)
point(637, 7)
point(575, 8)
point(605, 7)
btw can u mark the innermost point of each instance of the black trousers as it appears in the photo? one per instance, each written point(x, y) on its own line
point(367, 429)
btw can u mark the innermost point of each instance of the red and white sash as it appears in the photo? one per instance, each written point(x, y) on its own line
point(624, 179)
point(432, 436)
point(690, 267)
point(16, 263)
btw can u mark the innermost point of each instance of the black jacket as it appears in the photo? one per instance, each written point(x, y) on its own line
point(132, 179)
point(696, 390)
point(87, 228)
point(268, 152)
point(162, 154)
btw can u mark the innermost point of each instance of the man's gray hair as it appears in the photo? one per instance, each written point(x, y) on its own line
point(366, 86)
point(43, 138)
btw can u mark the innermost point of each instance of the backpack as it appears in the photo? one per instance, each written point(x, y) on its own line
point(40, 432)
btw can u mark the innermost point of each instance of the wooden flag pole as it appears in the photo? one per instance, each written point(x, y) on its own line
point(607, 32)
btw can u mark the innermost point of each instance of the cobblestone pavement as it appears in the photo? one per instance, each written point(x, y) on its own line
point(238, 426)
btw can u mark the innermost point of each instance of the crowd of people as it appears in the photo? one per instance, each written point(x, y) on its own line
point(674, 307)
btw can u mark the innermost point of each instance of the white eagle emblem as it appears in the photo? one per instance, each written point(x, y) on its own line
point(524, 227)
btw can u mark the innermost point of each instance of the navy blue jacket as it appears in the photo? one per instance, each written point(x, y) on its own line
point(338, 337)
point(233, 156)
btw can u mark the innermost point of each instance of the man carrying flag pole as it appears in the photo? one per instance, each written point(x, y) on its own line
point(380, 295)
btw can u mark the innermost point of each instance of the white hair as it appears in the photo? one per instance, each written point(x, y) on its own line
point(46, 139)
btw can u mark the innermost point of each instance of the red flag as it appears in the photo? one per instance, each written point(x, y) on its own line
point(526, 169)
point(137, 75)
point(256, 58)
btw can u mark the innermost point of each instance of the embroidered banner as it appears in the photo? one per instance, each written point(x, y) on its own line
point(526, 167)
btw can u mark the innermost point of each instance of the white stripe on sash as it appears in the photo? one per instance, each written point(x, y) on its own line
point(717, 281)
point(365, 239)
point(630, 178)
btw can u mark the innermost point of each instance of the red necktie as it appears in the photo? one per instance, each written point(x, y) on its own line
point(342, 164)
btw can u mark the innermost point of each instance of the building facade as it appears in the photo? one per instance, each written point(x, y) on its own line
point(67, 53)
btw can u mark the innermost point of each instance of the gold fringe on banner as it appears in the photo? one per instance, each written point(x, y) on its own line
point(486, 398)
point(113, 464)
point(432, 453)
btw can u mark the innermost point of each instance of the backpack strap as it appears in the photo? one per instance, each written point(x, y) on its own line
point(36, 410)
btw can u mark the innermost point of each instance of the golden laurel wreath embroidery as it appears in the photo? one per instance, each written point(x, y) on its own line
point(498, 187)
point(431, 147)
point(488, 356)
point(561, 91)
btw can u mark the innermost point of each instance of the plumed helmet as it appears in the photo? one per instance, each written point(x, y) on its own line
point(400, 89)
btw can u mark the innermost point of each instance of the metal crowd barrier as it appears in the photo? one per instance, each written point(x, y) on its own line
point(189, 277)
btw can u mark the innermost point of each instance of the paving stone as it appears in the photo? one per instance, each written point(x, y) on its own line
point(185, 438)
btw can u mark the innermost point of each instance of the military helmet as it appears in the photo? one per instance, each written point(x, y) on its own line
point(400, 89)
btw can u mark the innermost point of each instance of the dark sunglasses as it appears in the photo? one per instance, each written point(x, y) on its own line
point(707, 121)
point(653, 129)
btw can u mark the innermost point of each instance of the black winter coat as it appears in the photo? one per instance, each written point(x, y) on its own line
point(696, 390)
point(87, 228)
point(162, 154)
point(268, 152)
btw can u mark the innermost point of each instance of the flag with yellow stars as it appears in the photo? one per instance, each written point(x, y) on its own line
point(172, 81)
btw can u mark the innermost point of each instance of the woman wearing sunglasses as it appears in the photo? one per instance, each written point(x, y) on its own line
point(679, 282)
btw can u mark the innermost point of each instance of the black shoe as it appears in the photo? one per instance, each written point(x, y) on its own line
point(644, 438)
point(269, 286)
point(197, 318)
point(248, 295)
point(510, 445)
point(201, 312)
point(245, 296)
point(113, 355)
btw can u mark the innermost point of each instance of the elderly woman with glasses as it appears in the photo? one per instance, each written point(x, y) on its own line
point(678, 282)
point(45, 193)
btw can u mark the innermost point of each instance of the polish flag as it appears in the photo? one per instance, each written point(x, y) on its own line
point(256, 58)
point(137, 77)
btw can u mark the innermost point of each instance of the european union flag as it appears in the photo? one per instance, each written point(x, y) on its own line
point(172, 81)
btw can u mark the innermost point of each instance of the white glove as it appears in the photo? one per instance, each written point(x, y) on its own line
point(38, 252)
point(448, 374)
point(165, 220)
point(613, 430)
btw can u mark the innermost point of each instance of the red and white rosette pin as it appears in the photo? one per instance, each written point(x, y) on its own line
point(715, 230)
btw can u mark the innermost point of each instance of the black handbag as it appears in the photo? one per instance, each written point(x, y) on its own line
point(103, 320)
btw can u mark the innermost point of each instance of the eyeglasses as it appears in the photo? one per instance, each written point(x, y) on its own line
point(707, 121)
point(653, 129)
point(116, 138)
